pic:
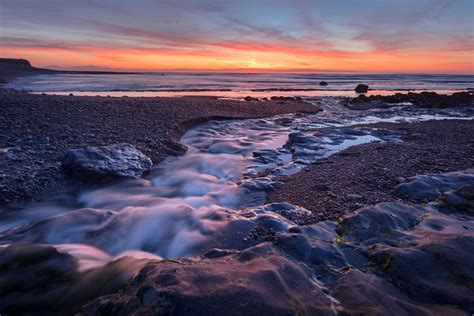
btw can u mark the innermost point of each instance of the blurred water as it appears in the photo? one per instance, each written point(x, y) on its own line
point(238, 84)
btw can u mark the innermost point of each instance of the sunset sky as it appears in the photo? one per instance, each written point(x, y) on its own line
point(329, 35)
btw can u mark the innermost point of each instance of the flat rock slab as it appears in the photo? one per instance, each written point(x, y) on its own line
point(106, 162)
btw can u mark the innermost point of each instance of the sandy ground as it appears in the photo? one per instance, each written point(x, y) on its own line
point(368, 174)
point(36, 130)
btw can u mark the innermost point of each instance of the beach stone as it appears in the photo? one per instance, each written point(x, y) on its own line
point(293, 213)
point(106, 162)
point(323, 83)
point(261, 184)
point(362, 88)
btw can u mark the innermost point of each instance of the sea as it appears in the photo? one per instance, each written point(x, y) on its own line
point(239, 85)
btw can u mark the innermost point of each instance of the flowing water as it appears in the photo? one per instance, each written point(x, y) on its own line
point(212, 197)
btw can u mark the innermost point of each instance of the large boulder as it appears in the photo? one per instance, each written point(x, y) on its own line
point(106, 162)
point(248, 283)
point(39, 279)
point(362, 88)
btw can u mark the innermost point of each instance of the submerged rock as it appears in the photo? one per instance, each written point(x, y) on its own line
point(106, 162)
point(323, 83)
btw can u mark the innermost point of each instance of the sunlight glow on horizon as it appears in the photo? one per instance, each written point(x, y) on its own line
point(429, 36)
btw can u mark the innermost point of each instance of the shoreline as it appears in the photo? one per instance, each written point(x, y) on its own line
point(39, 129)
point(105, 124)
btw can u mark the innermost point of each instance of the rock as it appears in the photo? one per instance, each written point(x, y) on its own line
point(362, 88)
point(380, 221)
point(323, 83)
point(364, 294)
point(458, 201)
point(354, 197)
point(429, 187)
point(218, 253)
point(38, 279)
point(293, 213)
point(282, 98)
point(231, 285)
point(249, 99)
point(424, 99)
point(106, 162)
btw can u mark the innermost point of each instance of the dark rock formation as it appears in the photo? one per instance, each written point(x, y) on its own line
point(11, 68)
point(423, 99)
point(282, 98)
point(249, 99)
point(14, 61)
point(323, 83)
point(37, 279)
point(106, 162)
point(362, 88)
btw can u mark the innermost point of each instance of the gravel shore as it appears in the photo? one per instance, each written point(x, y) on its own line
point(368, 174)
point(36, 131)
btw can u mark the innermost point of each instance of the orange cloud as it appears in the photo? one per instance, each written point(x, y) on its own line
point(238, 56)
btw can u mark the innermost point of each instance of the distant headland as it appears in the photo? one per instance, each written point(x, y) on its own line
point(11, 68)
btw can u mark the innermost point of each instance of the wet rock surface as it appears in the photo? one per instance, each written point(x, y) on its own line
point(429, 187)
point(106, 162)
point(384, 259)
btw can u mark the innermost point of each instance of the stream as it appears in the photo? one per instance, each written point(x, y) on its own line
point(212, 197)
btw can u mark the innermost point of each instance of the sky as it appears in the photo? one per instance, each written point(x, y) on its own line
point(319, 35)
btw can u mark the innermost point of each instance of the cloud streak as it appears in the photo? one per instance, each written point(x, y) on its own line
point(323, 34)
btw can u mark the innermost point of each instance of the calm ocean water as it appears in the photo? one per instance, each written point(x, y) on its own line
point(238, 84)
